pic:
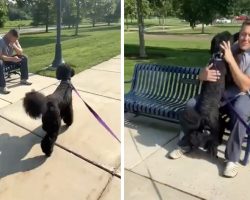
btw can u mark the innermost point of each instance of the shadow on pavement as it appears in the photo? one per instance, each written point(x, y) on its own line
point(14, 149)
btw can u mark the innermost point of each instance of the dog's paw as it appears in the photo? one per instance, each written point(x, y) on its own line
point(212, 149)
point(47, 146)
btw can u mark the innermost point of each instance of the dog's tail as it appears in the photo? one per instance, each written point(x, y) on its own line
point(34, 104)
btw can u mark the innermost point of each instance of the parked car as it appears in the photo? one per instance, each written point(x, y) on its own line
point(241, 17)
point(223, 20)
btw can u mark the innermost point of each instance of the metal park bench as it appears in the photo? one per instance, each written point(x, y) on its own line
point(11, 69)
point(160, 92)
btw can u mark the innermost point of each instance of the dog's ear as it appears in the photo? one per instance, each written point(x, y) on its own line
point(212, 47)
point(72, 72)
point(236, 36)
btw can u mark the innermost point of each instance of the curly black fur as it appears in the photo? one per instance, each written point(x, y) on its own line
point(202, 123)
point(52, 108)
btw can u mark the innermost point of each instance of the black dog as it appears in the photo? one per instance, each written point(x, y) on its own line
point(201, 124)
point(52, 108)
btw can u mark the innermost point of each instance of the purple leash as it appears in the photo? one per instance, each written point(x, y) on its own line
point(98, 118)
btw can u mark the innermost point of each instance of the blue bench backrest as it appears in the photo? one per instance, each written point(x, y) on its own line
point(161, 82)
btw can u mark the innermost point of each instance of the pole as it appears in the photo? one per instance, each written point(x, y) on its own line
point(58, 49)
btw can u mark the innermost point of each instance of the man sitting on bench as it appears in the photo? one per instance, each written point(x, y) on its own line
point(8, 45)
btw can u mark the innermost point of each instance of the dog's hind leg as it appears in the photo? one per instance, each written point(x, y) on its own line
point(51, 124)
point(68, 115)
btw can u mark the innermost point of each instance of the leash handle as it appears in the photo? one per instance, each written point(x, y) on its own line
point(98, 118)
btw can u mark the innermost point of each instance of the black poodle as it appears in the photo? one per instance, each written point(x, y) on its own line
point(201, 124)
point(52, 108)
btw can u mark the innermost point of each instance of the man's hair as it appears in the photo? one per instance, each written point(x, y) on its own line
point(14, 33)
point(245, 23)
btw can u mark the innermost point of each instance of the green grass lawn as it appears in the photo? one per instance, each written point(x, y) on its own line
point(92, 46)
point(15, 24)
point(171, 21)
point(181, 47)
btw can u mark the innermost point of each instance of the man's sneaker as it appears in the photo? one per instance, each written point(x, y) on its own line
point(4, 90)
point(231, 169)
point(25, 82)
point(178, 152)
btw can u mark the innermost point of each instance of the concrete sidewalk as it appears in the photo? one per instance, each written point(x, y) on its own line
point(85, 163)
point(150, 174)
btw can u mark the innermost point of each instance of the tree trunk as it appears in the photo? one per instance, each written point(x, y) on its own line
point(77, 17)
point(127, 22)
point(109, 20)
point(202, 30)
point(141, 29)
point(94, 17)
point(47, 19)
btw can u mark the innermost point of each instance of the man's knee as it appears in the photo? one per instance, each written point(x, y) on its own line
point(191, 102)
point(242, 106)
point(1, 65)
point(24, 58)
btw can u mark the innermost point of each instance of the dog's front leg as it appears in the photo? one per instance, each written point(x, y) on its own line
point(48, 143)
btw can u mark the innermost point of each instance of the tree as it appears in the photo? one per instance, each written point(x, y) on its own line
point(94, 10)
point(15, 13)
point(77, 16)
point(129, 10)
point(240, 7)
point(201, 11)
point(117, 13)
point(109, 7)
point(44, 13)
point(69, 15)
point(161, 9)
point(3, 12)
point(141, 28)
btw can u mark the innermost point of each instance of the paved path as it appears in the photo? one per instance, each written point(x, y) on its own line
point(85, 163)
point(150, 174)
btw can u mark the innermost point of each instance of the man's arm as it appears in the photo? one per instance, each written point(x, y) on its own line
point(17, 47)
point(8, 58)
point(241, 80)
point(208, 74)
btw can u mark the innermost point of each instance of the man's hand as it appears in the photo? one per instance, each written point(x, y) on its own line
point(17, 47)
point(16, 59)
point(228, 55)
point(208, 74)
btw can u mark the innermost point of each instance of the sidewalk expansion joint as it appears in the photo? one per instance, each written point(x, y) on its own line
point(167, 185)
point(111, 171)
point(6, 101)
point(98, 94)
point(103, 70)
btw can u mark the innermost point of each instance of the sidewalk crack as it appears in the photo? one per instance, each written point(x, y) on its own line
point(105, 187)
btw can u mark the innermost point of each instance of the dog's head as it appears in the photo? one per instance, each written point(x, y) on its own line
point(215, 49)
point(64, 72)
